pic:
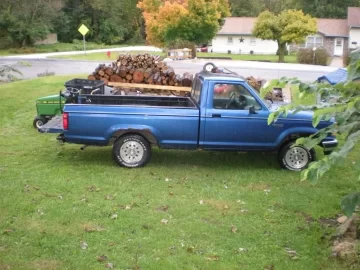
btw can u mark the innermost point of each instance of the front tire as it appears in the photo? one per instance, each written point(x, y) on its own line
point(39, 121)
point(295, 157)
point(131, 151)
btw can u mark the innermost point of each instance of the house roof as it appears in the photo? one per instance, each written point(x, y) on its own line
point(333, 27)
point(244, 26)
point(354, 16)
point(237, 26)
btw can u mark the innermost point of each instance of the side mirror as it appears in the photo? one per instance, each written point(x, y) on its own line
point(252, 110)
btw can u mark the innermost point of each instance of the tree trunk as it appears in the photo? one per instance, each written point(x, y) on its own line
point(282, 49)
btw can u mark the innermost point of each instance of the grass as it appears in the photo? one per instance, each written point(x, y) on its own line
point(53, 198)
point(103, 56)
point(58, 47)
point(249, 57)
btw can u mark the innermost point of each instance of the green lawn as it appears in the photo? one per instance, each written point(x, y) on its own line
point(223, 210)
point(249, 57)
point(58, 47)
point(103, 56)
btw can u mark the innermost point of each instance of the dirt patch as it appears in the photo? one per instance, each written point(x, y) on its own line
point(219, 205)
point(46, 264)
point(346, 243)
point(257, 186)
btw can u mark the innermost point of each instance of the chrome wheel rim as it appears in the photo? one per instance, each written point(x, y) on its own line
point(209, 67)
point(297, 157)
point(39, 123)
point(131, 152)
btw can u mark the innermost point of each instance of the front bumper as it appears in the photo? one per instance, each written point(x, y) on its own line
point(329, 145)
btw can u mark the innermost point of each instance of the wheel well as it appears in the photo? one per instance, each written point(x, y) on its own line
point(291, 138)
point(146, 134)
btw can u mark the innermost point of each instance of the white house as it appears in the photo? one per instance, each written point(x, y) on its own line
point(335, 35)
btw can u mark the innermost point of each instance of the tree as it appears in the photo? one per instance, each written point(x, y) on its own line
point(343, 105)
point(110, 21)
point(196, 21)
point(326, 8)
point(287, 27)
point(23, 23)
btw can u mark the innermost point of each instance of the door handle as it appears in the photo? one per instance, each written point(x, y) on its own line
point(216, 115)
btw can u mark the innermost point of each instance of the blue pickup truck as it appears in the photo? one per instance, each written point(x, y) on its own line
point(222, 112)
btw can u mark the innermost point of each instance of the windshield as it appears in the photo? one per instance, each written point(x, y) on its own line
point(265, 101)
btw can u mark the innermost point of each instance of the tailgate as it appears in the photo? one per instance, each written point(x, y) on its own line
point(55, 125)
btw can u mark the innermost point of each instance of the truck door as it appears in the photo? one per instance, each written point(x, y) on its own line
point(229, 124)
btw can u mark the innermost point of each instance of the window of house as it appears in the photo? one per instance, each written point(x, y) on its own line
point(252, 41)
point(314, 41)
point(339, 42)
point(233, 97)
point(230, 40)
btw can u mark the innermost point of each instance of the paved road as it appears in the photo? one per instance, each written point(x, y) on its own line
point(263, 70)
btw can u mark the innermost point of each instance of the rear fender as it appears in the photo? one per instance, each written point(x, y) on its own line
point(118, 131)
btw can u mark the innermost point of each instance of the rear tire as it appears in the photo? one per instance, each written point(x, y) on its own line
point(39, 121)
point(132, 151)
point(295, 157)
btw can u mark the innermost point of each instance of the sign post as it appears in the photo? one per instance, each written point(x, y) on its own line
point(83, 30)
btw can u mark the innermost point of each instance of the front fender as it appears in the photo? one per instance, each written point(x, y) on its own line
point(113, 133)
point(292, 131)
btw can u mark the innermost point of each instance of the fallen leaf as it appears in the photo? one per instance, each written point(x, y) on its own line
point(167, 179)
point(171, 193)
point(8, 231)
point(342, 219)
point(269, 267)
point(60, 197)
point(163, 208)
point(226, 207)
point(201, 202)
point(127, 207)
point(226, 187)
point(93, 188)
point(102, 258)
point(40, 212)
point(109, 265)
point(109, 197)
point(267, 191)
point(190, 249)
point(114, 216)
point(213, 258)
point(243, 250)
point(164, 221)
point(152, 173)
point(292, 253)
point(244, 211)
point(83, 245)
point(233, 229)
point(90, 228)
point(241, 202)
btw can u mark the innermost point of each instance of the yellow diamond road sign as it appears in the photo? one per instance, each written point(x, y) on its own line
point(83, 29)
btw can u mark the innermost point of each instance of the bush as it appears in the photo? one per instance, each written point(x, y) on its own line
point(346, 58)
point(306, 56)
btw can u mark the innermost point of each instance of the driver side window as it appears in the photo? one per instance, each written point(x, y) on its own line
point(233, 97)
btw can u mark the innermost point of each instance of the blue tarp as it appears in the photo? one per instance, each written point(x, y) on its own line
point(334, 77)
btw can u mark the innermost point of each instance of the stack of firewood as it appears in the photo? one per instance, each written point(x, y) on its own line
point(141, 69)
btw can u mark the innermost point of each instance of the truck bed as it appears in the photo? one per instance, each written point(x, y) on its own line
point(148, 101)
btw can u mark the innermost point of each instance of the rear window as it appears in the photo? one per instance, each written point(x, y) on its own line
point(196, 89)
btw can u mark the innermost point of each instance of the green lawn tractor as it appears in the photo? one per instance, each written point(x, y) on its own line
point(49, 106)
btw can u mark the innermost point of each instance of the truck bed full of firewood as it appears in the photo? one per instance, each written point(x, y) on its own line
point(140, 69)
